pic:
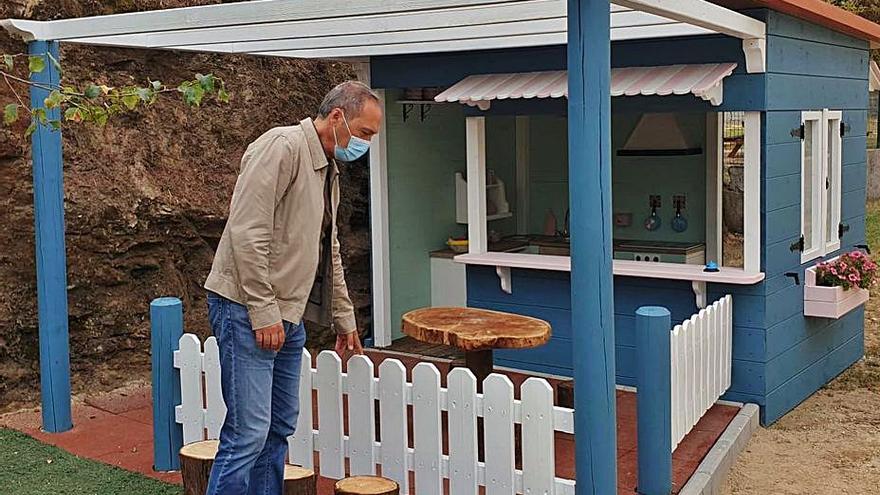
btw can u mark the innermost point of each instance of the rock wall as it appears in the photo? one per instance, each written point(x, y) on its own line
point(146, 199)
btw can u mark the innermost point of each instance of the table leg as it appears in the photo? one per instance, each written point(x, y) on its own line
point(480, 364)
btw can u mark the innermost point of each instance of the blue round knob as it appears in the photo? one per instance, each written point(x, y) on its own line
point(711, 267)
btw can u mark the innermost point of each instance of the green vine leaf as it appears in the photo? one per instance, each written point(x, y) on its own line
point(9, 62)
point(206, 82)
point(10, 113)
point(36, 64)
point(131, 101)
point(74, 114)
point(145, 95)
point(40, 115)
point(55, 63)
point(92, 91)
point(223, 96)
point(54, 100)
point(100, 115)
point(55, 125)
point(30, 130)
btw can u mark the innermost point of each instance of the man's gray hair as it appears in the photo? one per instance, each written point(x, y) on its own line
point(349, 96)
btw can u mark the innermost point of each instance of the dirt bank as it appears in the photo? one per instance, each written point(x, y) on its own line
point(146, 198)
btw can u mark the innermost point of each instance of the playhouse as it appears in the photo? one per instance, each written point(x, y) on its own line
point(752, 158)
point(701, 156)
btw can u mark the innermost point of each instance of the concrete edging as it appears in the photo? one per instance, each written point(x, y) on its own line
point(710, 474)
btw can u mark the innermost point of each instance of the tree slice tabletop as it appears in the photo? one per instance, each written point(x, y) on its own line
point(472, 329)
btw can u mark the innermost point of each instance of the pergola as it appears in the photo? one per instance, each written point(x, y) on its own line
point(354, 31)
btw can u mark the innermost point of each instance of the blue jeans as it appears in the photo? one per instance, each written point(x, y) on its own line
point(261, 391)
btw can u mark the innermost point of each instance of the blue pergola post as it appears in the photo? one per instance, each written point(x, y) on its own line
point(654, 379)
point(592, 303)
point(166, 328)
point(50, 251)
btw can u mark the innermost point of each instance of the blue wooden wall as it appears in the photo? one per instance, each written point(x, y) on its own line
point(808, 68)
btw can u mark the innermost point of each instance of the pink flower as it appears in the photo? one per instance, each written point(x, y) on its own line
point(857, 254)
point(853, 277)
point(833, 270)
point(842, 265)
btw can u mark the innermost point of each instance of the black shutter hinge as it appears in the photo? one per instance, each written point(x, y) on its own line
point(795, 276)
point(842, 228)
point(863, 246)
point(799, 132)
point(798, 245)
point(844, 128)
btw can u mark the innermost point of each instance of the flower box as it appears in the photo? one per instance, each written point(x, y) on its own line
point(830, 302)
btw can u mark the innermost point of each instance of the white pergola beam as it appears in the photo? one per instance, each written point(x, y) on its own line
point(704, 14)
point(223, 15)
point(716, 18)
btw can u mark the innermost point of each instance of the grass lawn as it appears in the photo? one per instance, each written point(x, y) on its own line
point(28, 467)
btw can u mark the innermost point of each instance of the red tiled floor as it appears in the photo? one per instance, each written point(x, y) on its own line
point(116, 428)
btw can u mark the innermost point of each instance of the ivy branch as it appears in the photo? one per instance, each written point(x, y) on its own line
point(94, 103)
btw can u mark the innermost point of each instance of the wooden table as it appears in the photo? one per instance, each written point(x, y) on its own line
point(476, 332)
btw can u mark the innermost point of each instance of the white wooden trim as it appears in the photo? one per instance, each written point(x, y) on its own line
point(476, 184)
point(752, 193)
point(626, 268)
point(714, 208)
point(835, 148)
point(815, 215)
point(704, 14)
point(379, 233)
point(522, 174)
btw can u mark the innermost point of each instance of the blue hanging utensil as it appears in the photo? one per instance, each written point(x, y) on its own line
point(679, 222)
point(711, 267)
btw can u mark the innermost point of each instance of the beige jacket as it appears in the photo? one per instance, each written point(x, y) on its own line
point(270, 250)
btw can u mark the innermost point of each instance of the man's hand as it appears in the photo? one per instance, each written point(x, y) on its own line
point(348, 344)
point(271, 338)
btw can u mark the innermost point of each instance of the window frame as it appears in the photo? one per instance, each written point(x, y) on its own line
point(826, 174)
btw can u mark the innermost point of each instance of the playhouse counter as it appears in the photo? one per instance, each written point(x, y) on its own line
point(668, 271)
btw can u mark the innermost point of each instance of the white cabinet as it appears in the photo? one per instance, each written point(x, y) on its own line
point(448, 283)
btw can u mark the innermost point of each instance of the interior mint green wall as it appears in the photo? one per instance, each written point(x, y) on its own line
point(635, 178)
point(422, 160)
point(501, 157)
point(548, 170)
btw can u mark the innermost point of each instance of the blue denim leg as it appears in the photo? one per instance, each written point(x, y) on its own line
point(246, 381)
point(267, 477)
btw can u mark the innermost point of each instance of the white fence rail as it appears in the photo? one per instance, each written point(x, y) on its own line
point(701, 355)
point(406, 410)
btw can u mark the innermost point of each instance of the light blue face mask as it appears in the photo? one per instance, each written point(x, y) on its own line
point(356, 148)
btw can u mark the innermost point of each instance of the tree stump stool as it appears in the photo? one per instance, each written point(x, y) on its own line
point(299, 481)
point(366, 485)
point(197, 458)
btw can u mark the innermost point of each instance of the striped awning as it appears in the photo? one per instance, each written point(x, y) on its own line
point(702, 80)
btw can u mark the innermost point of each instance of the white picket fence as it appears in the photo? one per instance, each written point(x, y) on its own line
point(424, 401)
point(701, 359)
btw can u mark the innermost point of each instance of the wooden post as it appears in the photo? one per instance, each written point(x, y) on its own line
point(592, 314)
point(366, 485)
point(50, 250)
point(166, 324)
point(654, 405)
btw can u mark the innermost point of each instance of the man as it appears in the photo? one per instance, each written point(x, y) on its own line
point(278, 263)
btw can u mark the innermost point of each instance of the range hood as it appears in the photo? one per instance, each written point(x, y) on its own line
point(659, 134)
